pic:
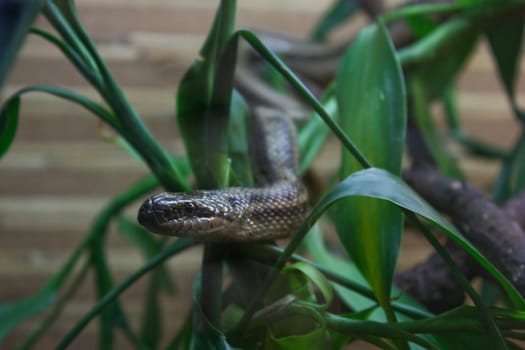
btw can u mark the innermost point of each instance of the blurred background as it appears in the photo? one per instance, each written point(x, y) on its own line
point(63, 168)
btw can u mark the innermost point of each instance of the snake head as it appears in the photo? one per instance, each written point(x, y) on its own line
point(186, 214)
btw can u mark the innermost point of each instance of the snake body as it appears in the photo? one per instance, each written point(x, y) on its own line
point(272, 210)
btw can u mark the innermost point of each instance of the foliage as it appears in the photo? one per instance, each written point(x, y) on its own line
point(366, 108)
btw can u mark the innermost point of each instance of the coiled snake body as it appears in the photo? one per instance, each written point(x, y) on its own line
point(273, 210)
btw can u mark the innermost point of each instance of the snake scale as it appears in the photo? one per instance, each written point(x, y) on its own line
point(272, 210)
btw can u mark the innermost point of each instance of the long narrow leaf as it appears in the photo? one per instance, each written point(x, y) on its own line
point(8, 123)
point(147, 244)
point(175, 248)
point(337, 14)
point(73, 55)
point(422, 114)
point(92, 106)
point(505, 41)
point(302, 91)
point(15, 19)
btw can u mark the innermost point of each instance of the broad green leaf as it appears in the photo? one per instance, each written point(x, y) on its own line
point(15, 19)
point(353, 299)
point(339, 12)
point(372, 110)
point(378, 183)
point(8, 123)
point(203, 101)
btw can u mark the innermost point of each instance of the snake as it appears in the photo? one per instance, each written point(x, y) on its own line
point(273, 209)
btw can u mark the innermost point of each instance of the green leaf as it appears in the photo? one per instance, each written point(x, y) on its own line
point(300, 332)
point(173, 249)
point(147, 244)
point(14, 313)
point(371, 99)
point(350, 326)
point(103, 284)
point(339, 12)
point(99, 110)
point(151, 328)
point(442, 69)
point(205, 335)
point(160, 279)
point(378, 183)
point(11, 314)
point(303, 92)
point(505, 39)
point(204, 98)
point(8, 123)
point(354, 300)
point(15, 19)
point(317, 278)
point(239, 146)
point(473, 145)
point(438, 44)
point(313, 134)
point(84, 66)
point(511, 178)
point(422, 114)
point(420, 25)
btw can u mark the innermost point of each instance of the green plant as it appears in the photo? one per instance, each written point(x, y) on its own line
point(374, 88)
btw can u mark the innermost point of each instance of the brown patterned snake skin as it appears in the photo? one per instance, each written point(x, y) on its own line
point(273, 210)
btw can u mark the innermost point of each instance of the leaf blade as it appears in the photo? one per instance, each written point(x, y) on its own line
point(371, 100)
point(378, 183)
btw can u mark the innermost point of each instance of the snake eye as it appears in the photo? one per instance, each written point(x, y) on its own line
point(188, 209)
